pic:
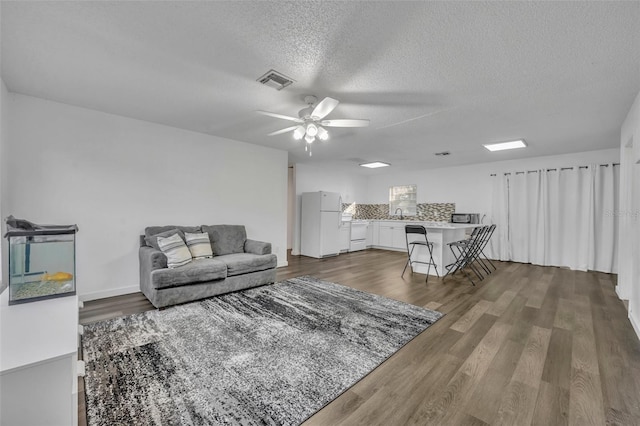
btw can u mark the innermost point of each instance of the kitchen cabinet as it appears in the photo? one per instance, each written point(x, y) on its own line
point(375, 233)
point(345, 236)
point(369, 240)
point(385, 236)
point(391, 235)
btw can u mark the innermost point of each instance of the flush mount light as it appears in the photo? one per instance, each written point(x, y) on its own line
point(506, 145)
point(375, 165)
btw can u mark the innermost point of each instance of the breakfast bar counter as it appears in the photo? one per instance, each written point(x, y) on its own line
point(390, 235)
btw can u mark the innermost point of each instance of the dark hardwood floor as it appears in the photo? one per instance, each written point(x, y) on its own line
point(528, 345)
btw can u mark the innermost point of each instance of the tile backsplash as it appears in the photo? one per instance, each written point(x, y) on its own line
point(437, 212)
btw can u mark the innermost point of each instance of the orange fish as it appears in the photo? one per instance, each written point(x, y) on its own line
point(58, 276)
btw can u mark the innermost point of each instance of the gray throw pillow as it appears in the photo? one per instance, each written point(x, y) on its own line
point(199, 245)
point(152, 241)
point(175, 249)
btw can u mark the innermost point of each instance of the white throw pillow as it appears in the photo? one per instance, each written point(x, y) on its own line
point(199, 245)
point(175, 249)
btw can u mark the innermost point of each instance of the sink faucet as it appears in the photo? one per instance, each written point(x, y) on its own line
point(396, 212)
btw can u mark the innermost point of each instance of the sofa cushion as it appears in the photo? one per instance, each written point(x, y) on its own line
point(226, 239)
point(199, 270)
point(243, 263)
point(152, 240)
point(153, 230)
point(175, 249)
point(199, 245)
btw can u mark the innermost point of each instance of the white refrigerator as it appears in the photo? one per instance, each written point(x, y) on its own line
point(320, 224)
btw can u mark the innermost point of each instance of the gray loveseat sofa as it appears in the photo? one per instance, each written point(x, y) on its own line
point(237, 263)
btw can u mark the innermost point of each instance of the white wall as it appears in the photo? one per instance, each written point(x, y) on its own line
point(308, 178)
point(113, 176)
point(291, 206)
point(469, 187)
point(629, 215)
point(4, 122)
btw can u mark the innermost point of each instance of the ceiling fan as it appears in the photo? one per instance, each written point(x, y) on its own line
point(310, 124)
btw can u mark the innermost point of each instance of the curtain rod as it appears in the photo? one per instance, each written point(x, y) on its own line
point(555, 169)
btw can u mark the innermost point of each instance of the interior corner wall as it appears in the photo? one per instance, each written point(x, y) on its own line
point(629, 214)
point(113, 176)
point(352, 187)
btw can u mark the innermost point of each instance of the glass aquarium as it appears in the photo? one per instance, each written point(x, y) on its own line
point(41, 261)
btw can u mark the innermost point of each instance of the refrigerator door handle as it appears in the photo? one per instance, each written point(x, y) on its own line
point(340, 210)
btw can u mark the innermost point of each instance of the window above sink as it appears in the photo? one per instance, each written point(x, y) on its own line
point(403, 200)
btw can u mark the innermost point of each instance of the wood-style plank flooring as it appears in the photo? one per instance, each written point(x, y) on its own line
point(529, 345)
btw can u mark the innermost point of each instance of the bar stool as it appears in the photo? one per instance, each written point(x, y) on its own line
point(468, 252)
point(490, 232)
point(421, 230)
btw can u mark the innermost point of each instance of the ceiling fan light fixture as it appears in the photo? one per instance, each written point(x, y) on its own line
point(312, 130)
point(299, 132)
point(323, 135)
point(310, 123)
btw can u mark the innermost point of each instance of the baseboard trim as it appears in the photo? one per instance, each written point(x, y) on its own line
point(388, 248)
point(109, 293)
point(621, 294)
point(282, 264)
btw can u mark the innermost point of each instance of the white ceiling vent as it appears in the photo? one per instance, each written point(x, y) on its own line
point(275, 79)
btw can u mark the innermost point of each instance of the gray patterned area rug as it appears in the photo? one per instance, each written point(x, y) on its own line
point(271, 355)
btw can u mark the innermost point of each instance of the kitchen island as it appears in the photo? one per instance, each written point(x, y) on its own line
point(390, 235)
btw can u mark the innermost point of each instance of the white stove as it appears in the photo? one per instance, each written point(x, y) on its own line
point(358, 235)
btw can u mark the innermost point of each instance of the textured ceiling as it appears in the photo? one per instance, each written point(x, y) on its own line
point(431, 76)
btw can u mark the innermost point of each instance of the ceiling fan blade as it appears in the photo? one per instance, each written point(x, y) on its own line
point(324, 108)
point(279, 132)
point(283, 117)
point(345, 123)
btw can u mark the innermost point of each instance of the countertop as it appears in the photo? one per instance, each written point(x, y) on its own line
point(430, 224)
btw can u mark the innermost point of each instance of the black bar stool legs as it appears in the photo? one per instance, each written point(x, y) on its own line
point(420, 230)
point(468, 254)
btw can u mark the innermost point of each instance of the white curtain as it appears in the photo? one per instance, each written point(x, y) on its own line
point(498, 247)
point(562, 217)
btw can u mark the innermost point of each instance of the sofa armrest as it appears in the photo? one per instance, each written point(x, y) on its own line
point(257, 247)
point(151, 259)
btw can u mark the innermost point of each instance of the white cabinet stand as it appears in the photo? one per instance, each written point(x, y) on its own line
point(38, 362)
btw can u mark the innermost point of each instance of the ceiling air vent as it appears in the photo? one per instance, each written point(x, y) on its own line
point(275, 79)
point(442, 154)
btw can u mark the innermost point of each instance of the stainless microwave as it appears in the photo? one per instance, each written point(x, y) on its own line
point(465, 218)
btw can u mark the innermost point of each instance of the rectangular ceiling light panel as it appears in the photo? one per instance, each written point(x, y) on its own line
point(506, 145)
point(375, 165)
